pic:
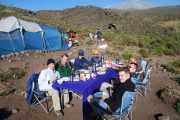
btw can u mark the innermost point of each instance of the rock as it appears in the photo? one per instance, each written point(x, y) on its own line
point(164, 117)
point(164, 70)
point(16, 53)
point(10, 61)
point(2, 56)
point(27, 54)
point(8, 55)
point(23, 93)
point(22, 52)
point(14, 110)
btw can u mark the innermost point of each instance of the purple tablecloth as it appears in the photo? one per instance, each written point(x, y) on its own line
point(86, 88)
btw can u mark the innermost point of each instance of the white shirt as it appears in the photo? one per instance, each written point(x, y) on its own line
point(45, 76)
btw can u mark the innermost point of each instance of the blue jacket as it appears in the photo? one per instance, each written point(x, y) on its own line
point(33, 78)
point(80, 64)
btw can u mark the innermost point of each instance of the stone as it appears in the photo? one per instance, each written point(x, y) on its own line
point(27, 54)
point(164, 70)
point(164, 117)
point(10, 61)
point(8, 55)
point(16, 53)
point(2, 56)
point(14, 110)
point(22, 52)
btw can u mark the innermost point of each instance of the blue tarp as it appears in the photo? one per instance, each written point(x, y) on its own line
point(53, 39)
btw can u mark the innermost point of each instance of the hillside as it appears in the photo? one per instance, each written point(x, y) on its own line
point(91, 17)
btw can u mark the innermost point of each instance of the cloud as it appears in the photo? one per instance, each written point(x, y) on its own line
point(133, 4)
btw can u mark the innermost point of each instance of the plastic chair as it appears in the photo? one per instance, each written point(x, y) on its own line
point(38, 97)
point(124, 111)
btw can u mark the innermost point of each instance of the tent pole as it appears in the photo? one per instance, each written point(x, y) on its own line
point(11, 42)
point(44, 43)
point(22, 36)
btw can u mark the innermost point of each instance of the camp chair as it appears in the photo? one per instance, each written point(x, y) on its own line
point(38, 97)
point(71, 62)
point(144, 86)
point(124, 111)
point(145, 65)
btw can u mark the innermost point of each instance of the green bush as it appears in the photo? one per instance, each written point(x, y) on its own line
point(173, 67)
point(177, 79)
point(14, 73)
point(177, 106)
point(7, 91)
point(126, 55)
point(112, 53)
point(144, 52)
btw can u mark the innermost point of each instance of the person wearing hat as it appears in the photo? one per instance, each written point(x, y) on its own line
point(81, 62)
point(95, 58)
point(45, 81)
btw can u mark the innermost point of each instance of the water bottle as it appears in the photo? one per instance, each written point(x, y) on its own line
point(102, 60)
point(94, 67)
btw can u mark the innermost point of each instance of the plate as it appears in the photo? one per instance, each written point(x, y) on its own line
point(101, 72)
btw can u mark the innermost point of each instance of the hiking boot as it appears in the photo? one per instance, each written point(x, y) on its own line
point(59, 113)
point(68, 105)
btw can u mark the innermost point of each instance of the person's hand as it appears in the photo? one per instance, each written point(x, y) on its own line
point(50, 81)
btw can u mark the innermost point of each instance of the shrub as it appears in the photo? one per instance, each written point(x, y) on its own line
point(177, 106)
point(112, 53)
point(144, 52)
point(7, 91)
point(126, 55)
point(173, 67)
point(15, 73)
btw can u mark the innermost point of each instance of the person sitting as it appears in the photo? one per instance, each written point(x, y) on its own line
point(136, 71)
point(113, 102)
point(95, 58)
point(64, 70)
point(45, 81)
point(81, 62)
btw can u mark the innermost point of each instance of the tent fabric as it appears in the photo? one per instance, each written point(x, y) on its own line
point(30, 26)
point(9, 46)
point(53, 39)
point(12, 23)
point(9, 24)
point(34, 41)
point(17, 35)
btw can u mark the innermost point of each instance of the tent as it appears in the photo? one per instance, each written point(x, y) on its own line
point(10, 36)
point(53, 39)
point(17, 35)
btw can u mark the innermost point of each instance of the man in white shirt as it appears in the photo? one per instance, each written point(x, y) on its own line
point(45, 81)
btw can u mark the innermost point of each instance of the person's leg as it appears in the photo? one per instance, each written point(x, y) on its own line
point(56, 101)
point(100, 102)
point(66, 98)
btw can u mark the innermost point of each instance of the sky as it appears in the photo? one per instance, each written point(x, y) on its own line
point(36, 5)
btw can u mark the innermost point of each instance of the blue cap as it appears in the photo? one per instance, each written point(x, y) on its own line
point(81, 52)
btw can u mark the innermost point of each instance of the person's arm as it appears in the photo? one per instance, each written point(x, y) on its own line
point(43, 81)
point(80, 64)
point(87, 62)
